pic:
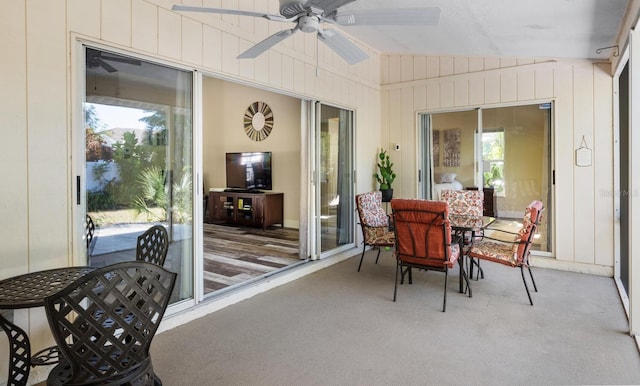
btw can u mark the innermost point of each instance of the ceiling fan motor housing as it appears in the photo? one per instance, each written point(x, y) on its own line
point(308, 23)
point(291, 8)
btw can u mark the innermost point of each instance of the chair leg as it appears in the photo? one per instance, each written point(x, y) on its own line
point(395, 286)
point(526, 287)
point(377, 257)
point(444, 302)
point(364, 248)
point(532, 280)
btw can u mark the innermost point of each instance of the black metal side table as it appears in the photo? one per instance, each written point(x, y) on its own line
point(26, 291)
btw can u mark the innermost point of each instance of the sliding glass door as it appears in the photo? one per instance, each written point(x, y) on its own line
point(137, 166)
point(504, 151)
point(334, 177)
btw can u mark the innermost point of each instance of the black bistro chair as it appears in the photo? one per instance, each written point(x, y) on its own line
point(104, 322)
point(152, 245)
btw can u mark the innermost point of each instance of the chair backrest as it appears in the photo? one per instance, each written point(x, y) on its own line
point(423, 232)
point(152, 245)
point(464, 202)
point(373, 219)
point(89, 230)
point(103, 323)
point(523, 240)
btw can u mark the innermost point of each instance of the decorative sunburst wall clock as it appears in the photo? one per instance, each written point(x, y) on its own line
point(258, 121)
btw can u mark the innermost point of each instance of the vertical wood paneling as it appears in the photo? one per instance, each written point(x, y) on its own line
point(433, 96)
point(169, 33)
point(407, 153)
point(476, 64)
point(460, 65)
point(419, 67)
point(191, 41)
point(13, 110)
point(564, 189)
point(395, 67)
point(144, 32)
point(287, 72)
point(508, 87)
point(447, 93)
point(298, 75)
point(476, 91)
point(212, 48)
point(492, 88)
point(420, 98)
point(446, 65)
point(433, 66)
point(274, 67)
point(47, 134)
point(116, 21)
point(603, 164)
point(84, 15)
point(491, 63)
point(229, 52)
point(406, 71)
point(526, 85)
point(544, 83)
point(583, 104)
point(309, 79)
point(461, 92)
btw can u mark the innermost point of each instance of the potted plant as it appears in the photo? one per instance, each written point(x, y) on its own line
point(385, 175)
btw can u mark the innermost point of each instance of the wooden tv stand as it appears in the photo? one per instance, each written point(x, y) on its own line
point(246, 208)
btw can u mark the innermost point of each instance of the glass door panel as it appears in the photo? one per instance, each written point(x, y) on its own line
point(138, 160)
point(335, 176)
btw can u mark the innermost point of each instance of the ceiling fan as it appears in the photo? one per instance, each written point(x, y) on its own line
point(308, 14)
point(96, 59)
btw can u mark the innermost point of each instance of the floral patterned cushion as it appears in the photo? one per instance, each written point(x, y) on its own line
point(370, 209)
point(464, 202)
point(515, 253)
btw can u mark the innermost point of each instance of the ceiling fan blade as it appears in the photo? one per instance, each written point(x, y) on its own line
point(327, 5)
point(266, 44)
point(267, 16)
point(342, 46)
point(396, 16)
point(109, 68)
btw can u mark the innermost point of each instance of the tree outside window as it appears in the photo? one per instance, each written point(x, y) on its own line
point(493, 159)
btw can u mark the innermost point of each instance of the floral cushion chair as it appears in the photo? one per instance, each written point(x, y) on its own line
point(515, 253)
point(374, 222)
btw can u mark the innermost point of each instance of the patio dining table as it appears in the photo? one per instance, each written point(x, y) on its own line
point(460, 225)
point(26, 291)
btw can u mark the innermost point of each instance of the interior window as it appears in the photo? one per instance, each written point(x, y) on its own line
point(493, 160)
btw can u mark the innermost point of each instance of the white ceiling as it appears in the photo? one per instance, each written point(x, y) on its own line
point(515, 28)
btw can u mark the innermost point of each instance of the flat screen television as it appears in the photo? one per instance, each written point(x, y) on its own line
point(249, 171)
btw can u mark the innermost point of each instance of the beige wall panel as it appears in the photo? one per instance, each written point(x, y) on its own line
point(230, 50)
point(583, 176)
point(461, 91)
point(433, 66)
point(492, 88)
point(13, 147)
point(384, 69)
point(191, 41)
point(491, 63)
point(524, 61)
point(169, 33)
point(603, 166)
point(509, 87)
point(406, 68)
point(433, 96)
point(476, 91)
point(544, 83)
point(287, 73)
point(47, 135)
point(298, 75)
point(395, 68)
point(420, 98)
point(144, 29)
point(83, 16)
point(447, 93)
point(508, 62)
point(526, 86)
point(446, 65)
point(212, 47)
point(407, 154)
point(419, 67)
point(476, 64)
point(274, 68)
point(460, 65)
point(116, 21)
point(309, 79)
point(564, 189)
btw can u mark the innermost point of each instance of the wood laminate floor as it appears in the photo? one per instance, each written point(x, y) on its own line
point(233, 255)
